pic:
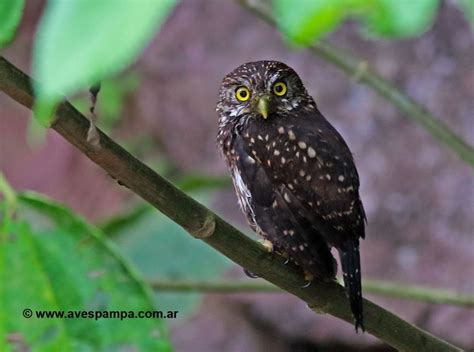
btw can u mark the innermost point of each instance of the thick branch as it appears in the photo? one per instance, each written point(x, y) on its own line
point(202, 223)
point(358, 68)
point(390, 289)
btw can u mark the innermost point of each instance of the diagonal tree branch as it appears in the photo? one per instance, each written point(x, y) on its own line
point(203, 224)
point(358, 68)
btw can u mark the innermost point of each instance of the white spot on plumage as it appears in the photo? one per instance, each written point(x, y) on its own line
point(291, 135)
point(276, 152)
point(341, 178)
point(311, 152)
point(302, 145)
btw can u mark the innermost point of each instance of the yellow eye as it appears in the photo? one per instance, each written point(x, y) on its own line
point(279, 89)
point(242, 94)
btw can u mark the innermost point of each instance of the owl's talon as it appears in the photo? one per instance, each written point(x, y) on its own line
point(286, 261)
point(250, 274)
point(267, 245)
point(307, 284)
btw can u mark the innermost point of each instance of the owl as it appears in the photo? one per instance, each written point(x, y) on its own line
point(293, 173)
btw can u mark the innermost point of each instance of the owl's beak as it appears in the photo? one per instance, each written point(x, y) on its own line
point(263, 106)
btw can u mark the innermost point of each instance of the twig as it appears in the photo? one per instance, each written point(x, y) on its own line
point(391, 289)
point(352, 66)
point(204, 224)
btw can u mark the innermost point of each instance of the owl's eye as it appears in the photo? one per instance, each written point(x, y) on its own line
point(242, 94)
point(279, 89)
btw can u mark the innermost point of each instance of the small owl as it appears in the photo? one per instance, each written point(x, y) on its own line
point(293, 173)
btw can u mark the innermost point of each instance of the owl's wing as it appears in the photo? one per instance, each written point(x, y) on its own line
point(313, 173)
point(281, 217)
point(311, 160)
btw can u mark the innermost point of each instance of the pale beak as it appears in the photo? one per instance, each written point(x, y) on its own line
point(263, 106)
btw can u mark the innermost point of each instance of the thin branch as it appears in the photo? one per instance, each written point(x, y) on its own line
point(358, 68)
point(390, 289)
point(201, 223)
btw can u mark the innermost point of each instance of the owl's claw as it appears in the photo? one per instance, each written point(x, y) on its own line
point(250, 274)
point(286, 261)
point(267, 245)
point(309, 279)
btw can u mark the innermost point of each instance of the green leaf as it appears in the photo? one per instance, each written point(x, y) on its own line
point(400, 18)
point(36, 133)
point(81, 42)
point(50, 259)
point(121, 222)
point(44, 111)
point(304, 21)
point(10, 16)
point(163, 250)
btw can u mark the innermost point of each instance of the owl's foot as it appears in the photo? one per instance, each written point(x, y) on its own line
point(267, 245)
point(287, 260)
point(309, 279)
point(250, 274)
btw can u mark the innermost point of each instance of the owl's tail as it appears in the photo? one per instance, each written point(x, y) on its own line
point(350, 262)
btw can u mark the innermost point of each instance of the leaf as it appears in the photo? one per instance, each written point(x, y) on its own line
point(44, 111)
point(10, 16)
point(63, 263)
point(163, 250)
point(119, 223)
point(401, 18)
point(80, 42)
point(305, 21)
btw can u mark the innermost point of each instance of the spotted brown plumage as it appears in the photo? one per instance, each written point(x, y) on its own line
point(293, 173)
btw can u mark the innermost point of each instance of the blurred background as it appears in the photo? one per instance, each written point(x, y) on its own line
point(419, 196)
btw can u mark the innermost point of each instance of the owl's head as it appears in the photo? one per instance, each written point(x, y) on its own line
point(261, 89)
